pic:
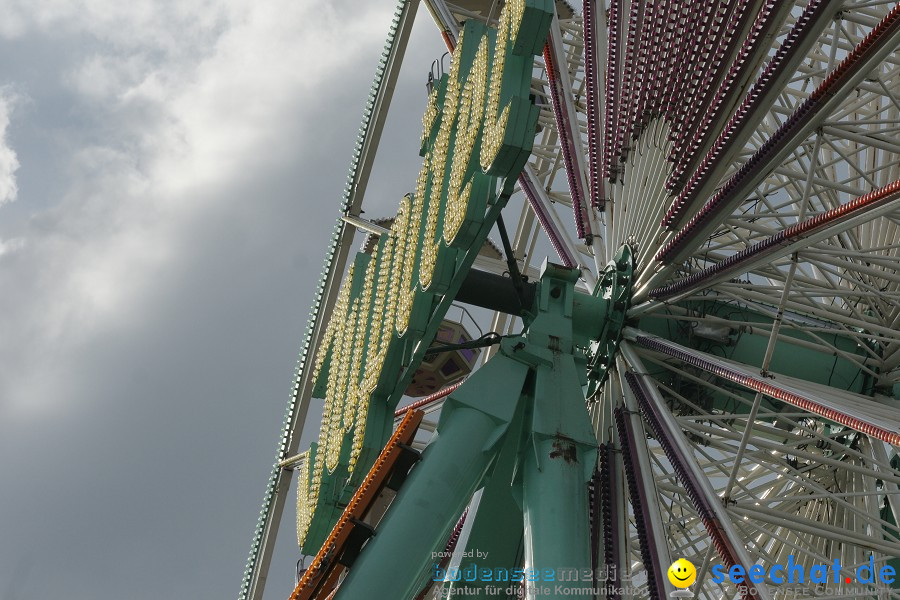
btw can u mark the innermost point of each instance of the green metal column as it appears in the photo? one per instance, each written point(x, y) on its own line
point(495, 541)
point(560, 455)
point(474, 421)
point(557, 467)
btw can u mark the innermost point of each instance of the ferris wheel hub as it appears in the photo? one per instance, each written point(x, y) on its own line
point(615, 286)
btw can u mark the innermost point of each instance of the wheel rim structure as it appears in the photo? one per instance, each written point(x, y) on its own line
point(746, 153)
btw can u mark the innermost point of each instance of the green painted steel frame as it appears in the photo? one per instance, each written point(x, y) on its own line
point(490, 193)
point(519, 426)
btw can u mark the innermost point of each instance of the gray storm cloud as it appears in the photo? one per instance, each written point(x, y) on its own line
point(179, 169)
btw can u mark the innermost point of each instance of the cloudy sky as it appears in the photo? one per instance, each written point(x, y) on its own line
point(168, 175)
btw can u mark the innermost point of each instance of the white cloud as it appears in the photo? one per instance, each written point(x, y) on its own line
point(9, 162)
point(174, 129)
point(133, 24)
point(11, 245)
point(192, 126)
point(182, 163)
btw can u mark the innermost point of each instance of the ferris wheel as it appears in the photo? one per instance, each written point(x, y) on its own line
point(706, 367)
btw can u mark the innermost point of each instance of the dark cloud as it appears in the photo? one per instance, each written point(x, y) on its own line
point(152, 318)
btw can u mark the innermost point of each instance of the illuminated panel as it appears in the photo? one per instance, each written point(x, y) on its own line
point(523, 31)
point(379, 320)
point(477, 132)
point(461, 217)
point(434, 169)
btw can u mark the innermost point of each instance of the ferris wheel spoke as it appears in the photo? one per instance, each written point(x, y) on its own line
point(851, 410)
point(832, 320)
point(687, 534)
point(740, 405)
point(881, 462)
point(763, 467)
point(594, 38)
point(690, 136)
point(834, 338)
point(782, 483)
point(768, 462)
point(828, 96)
point(617, 542)
point(560, 86)
point(654, 552)
point(559, 174)
point(540, 202)
point(788, 241)
point(700, 175)
point(722, 532)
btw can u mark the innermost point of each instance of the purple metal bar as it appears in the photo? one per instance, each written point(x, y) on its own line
point(748, 113)
point(457, 529)
point(595, 516)
point(765, 386)
point(740, 184)
point(610, 126)
point(641, 507)
point(644, 39)
point(701, 503)
point(781, 243)
point(567, 133)
point(606, 486)
point(592, 94)
point(625, 122)
point(546, 222)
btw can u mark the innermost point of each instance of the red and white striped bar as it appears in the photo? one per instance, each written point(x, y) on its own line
point(428, 400)
point(811, 231)
point(876, 46)
point(861, 413)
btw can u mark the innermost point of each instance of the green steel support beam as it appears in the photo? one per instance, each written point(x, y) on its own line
point(470, 435)
point(561, 454)
point(495, 538)
point(518, 426)
point(557, 538)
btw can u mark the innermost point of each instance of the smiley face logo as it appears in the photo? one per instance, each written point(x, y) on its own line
point(682, 573)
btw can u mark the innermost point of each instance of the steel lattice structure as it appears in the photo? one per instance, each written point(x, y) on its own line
point(719, 182)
